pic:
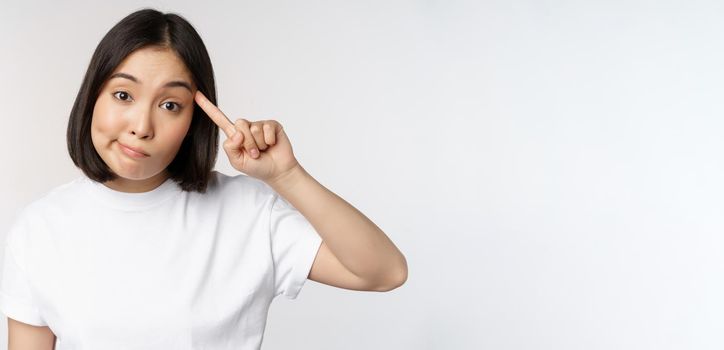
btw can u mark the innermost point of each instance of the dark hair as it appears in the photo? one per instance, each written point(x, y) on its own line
point(192, 167)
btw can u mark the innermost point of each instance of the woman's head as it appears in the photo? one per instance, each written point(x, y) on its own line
point(138, 91)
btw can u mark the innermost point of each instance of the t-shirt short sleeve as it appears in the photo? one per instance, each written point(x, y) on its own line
point(16, 298)
point(294, 245)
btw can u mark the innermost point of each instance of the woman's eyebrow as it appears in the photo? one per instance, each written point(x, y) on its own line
point(174, 83)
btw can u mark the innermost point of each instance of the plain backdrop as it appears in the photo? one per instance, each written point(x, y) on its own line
point(552, 170)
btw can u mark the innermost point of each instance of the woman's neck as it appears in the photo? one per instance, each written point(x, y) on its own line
point(137, 186)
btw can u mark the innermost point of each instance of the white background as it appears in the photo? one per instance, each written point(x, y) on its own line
point(551, 170)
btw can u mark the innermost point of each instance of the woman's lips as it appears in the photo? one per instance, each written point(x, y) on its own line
point(131, 152)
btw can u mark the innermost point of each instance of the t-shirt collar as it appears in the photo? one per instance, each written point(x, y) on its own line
point(127, 200)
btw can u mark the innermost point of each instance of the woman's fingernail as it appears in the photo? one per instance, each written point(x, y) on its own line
point(255, 153)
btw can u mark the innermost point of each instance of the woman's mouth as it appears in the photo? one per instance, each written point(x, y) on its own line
point(135, 153)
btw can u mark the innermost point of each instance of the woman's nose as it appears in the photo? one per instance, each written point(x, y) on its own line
point(141, 124)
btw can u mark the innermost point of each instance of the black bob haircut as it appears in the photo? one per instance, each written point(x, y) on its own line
point(192, 167)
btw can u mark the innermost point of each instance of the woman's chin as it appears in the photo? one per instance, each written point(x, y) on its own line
point(135, 173)
point(129, 172)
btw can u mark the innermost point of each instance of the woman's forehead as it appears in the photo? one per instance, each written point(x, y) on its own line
point(154, 66)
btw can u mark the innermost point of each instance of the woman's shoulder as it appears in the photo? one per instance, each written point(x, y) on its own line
point(241, 184)
point(58, 200)
point(58, 196)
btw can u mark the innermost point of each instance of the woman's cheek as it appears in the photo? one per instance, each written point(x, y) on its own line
point(108, 120)
point(100, 123)
point(177, 128)
point(174, 134)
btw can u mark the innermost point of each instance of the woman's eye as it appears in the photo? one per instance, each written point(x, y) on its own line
point(171, 105)
point(124, 95)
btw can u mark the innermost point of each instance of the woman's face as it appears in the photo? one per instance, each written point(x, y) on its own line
point(147, 105)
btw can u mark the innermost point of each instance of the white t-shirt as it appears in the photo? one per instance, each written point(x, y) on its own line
point(164, 269)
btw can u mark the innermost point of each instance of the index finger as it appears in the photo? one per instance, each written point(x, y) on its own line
point(215, 114)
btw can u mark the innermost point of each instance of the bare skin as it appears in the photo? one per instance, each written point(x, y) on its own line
point(355, 253)
point(147, 104)
point(22, 336)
